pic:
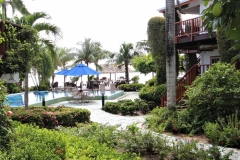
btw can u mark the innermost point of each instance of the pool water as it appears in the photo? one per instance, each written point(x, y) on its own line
point(15, 100)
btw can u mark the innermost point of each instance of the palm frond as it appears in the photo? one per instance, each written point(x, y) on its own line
point(48, 28)
point(19, 5)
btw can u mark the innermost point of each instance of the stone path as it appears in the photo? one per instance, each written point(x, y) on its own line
point(100, 116)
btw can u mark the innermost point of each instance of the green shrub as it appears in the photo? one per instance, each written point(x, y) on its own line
point(51, 117)
point(131, 87)
point(153, 93)
point(112, 107)
point(224, 132)
point(135, 79)
point(42, 87)
point(152, 82)
point(141, 105)
point(126, 106)
point(214, 94)
point(5, 121)
point(13, 88)
point(162, 119)
point(33, 143)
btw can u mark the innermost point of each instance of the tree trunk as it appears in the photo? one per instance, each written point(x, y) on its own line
point(170, 54)
point(26, 91)
point(53, 77)
point(126, 73)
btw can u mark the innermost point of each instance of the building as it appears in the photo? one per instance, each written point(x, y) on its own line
point(192, 38)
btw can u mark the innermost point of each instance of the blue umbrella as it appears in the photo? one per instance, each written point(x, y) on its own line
point(61, 72)
point(79, 70)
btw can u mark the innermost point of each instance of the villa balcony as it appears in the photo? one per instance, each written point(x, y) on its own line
point(190, 34)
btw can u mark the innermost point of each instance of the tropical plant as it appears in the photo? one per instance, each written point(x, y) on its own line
point(5, 122)
point(47, 53)
point(157, 43)
point(87, 51)
point(227, 19)
point(124, 57)
point(213, 95)
point(15, 5)
point(144, 63)
point(64, 55)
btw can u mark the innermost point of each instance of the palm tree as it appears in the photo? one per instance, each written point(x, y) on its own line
point(170, 53)
point(47, 28)
point(15, 5)
point(124, 57)
point(87, 51)
point(100, 54)
point(65, 55)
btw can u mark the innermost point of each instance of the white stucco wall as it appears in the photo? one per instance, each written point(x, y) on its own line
point(205, 56)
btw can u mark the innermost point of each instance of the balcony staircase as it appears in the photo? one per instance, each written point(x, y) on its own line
point(186, 80)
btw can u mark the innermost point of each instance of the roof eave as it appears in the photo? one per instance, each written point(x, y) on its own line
point(184, 2)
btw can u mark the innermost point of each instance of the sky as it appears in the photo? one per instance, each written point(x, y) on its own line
point(110, 22)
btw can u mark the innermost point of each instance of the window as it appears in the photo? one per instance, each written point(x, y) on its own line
point(214, 59)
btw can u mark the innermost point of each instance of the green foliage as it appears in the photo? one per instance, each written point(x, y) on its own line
point(127, 106)
point(51, 117)
point(214, 94)
point(21, 48)
point(131, 87)
point(102, 133)
point(34, 143)
point(124, 57)
point(92, 142)
point(157, 43)
point(224, 132)
point(5, 122)
point(152, 93)
point(152, 82)
point(224, 47)
point(163, 119)
point(144, 64)
point(135, 79)
point(42, 87)
point(13, 88)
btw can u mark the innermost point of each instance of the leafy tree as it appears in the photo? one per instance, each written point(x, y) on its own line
point(125, 56)
point(157, 43)
point(47, 53)
point(144, 64)
point(143, 45)
point(227, 23)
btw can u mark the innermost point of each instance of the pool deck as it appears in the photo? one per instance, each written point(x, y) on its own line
point(98, 96)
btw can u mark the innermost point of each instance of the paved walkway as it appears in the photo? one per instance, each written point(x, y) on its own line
point(100, 116)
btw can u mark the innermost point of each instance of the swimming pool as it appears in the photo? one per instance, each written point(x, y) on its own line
point(35, 98)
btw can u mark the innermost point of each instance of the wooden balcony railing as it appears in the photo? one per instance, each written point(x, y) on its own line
point(189, 27)
point(186, 80)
